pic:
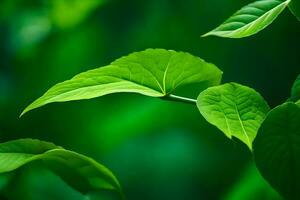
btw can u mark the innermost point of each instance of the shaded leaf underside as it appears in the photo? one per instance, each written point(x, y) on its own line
point(81, 172)
point(294, 6)
point(277, 150)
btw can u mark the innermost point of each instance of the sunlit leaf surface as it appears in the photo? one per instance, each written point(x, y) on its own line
point(153, 72)
point(250, 19)
point(235, 109)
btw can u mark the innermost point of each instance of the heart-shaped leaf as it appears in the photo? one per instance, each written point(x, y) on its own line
point(235, 109)
point(277, 150)
point(294, 6)
point(295, 93)
point(153, 72)
point(82, 173)
point(250, 19)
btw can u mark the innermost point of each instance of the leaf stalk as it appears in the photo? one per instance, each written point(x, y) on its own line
point(172, 97)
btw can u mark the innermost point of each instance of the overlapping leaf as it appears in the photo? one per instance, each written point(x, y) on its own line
point(277, 150)
point(81, 172)
point(295, 93)
point(153, 72)
point(235, 109)
point(294, 6)
point(250, 19)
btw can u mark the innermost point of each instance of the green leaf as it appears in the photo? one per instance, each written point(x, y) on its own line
point(294, 7)
point(235, 109)
point(81, 172)
point(250, 19)
point(295, 93)
point(153, 72)
point(277, 150)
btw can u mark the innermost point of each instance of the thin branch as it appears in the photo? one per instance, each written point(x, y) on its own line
point(172, 97)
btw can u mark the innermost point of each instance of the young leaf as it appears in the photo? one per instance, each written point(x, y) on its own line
point(235, 109)
point(294, 7)
point(153, 72)
point(276, 150)
point(295, 93)
point(82, 173)
point(250, 19)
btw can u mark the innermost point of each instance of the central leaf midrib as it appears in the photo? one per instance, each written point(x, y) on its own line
point(253, 22)
point(95, 85)
point(162, 87)
point(227, 124)
point(165, 75)
point(155, 78)
point(265, 14)
point(241, 123)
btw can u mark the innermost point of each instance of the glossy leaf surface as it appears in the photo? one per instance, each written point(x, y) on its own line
point(153, 72)
point(250, 19)
point(235, 109)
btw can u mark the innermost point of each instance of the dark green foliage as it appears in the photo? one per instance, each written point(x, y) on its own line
point(277, 152)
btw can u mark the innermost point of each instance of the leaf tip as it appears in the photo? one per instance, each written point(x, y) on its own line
point(206, 35)
point(27, 109)
point(250, 147)
point(22, 113)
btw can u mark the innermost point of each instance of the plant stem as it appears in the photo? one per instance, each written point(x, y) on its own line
point(172, 97)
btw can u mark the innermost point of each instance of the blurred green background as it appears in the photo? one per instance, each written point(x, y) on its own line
point(159, 150)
